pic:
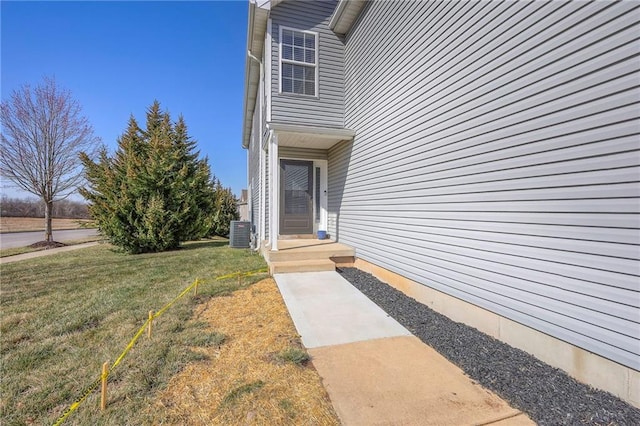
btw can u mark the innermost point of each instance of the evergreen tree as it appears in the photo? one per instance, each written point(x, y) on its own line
point(155, 192)
point(225, 209)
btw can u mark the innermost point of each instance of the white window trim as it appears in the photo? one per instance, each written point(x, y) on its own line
point(316, 65)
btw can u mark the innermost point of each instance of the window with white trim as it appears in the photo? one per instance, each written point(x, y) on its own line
point(298, 62)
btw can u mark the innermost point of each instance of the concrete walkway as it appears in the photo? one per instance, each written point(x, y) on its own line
point(375, 371)
point(40, 253)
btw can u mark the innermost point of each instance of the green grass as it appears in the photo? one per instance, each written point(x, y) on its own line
point(64, 315)
point(17, 250)
point(294, 355)
point(236, 393)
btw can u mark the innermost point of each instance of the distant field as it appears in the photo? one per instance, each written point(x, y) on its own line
point(25, 224)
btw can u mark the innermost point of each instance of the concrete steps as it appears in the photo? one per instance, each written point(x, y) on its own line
point(307, 255)
point(324, 251)
point(291, 266)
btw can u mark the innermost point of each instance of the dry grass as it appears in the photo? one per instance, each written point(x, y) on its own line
point(244, 381)
point(25, 224)
point(62, 316)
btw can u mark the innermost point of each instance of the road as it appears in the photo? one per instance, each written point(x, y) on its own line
point(22, 239)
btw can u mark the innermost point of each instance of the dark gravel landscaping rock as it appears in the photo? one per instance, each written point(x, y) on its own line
point(548, 395)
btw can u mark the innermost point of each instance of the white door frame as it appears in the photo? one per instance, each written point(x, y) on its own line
point(324, 196)
point(324, 199)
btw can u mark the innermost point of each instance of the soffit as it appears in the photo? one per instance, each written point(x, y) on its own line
point(345, 15)
point(309, 137)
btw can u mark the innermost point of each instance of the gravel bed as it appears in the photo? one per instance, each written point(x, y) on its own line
point(548, 395)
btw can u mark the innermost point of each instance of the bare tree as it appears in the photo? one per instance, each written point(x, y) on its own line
point(43, 133)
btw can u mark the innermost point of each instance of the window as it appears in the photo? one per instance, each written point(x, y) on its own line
point(298, 62)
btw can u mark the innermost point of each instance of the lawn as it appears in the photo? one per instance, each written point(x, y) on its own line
point(64, 315)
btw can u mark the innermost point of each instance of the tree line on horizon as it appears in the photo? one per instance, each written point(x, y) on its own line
point(152, 194)
point(33, 207)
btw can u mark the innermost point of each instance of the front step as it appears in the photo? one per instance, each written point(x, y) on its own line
point(311, 252)
point(290, 266)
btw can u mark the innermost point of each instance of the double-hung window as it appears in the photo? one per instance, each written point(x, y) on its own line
point(298, 62)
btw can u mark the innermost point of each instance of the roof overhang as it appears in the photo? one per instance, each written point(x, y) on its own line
point(309, 136)
point(256, 30)
point(345, 15)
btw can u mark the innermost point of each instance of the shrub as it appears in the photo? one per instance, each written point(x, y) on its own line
point(155, 192)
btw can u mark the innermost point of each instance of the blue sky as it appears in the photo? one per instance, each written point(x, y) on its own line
point(117, 57)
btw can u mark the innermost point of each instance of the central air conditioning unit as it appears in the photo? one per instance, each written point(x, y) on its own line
point(239, 234)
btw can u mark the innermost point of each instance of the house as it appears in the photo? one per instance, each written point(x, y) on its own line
point(481, 156)
point(243, 206)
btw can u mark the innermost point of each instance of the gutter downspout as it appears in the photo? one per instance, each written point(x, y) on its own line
point(259, 231)
point(252, 56)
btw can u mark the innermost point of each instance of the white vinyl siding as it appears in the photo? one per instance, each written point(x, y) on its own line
point(338, 171)
point(326, 107)
point(497, 159)
point(255, 179)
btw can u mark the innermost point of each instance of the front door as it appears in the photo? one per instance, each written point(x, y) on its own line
point(296, 197)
